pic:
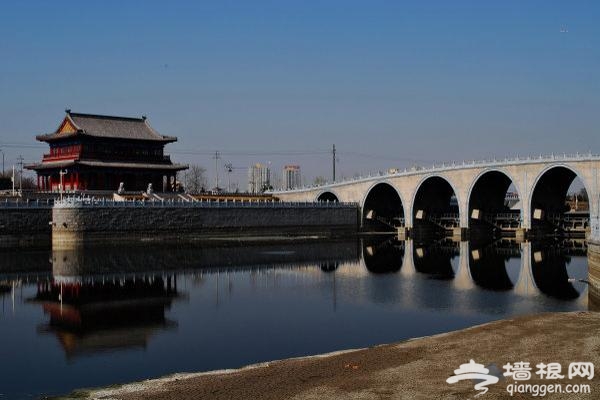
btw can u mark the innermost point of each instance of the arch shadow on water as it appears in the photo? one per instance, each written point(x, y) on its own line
point(329, 266)
point(488, 264)
point(436, 258)
point(549, 262)
point(383, 255)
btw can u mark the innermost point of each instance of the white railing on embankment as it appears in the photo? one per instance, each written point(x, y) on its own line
point(27, 203)
point(91, 202)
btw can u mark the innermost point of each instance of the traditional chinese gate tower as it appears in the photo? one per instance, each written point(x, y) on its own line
point(98, 152)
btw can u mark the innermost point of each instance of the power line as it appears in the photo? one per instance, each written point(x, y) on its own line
point(253, 153)
point(23, 145)
point(387, 158)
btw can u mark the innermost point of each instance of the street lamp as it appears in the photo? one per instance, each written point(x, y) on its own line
point(61, 173)
point(2, 151)
point(229, 168)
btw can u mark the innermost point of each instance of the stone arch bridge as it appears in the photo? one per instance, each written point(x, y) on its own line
point(470, 195)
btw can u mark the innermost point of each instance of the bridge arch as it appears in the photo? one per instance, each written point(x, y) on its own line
point(486, 200)
point(431, 200)
point(328, 195)
point(549, 191)
point(382, 207)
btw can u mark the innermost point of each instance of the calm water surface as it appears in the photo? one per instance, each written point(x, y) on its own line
point(100, 316)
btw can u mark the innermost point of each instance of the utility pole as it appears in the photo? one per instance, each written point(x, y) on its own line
point(217, 157)
point(333, 159)
point(20, 163)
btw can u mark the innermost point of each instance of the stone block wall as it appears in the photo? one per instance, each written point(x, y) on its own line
point(174, 224)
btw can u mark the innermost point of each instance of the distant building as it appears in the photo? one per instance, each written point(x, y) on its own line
point(259, 178)
point(291, 177)
point(98, 152)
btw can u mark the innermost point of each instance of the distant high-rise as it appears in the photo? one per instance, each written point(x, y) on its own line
point(291, 177)
point(259, 178)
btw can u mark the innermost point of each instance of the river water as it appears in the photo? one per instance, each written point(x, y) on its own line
point(104, 315)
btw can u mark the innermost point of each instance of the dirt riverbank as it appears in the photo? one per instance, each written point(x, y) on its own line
point(414, 369)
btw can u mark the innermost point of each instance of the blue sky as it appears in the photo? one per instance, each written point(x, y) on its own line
point(391, 83)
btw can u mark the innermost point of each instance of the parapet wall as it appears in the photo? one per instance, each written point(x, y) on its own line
point(73, 224)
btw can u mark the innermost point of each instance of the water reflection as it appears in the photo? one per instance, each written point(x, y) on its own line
point(500, 265)
point(438, 258)
point(96, 314)
point(329, 266)
point(556, 269)
point(383, 255)
point(151, 312)
point(491, 265)
point(551, 273)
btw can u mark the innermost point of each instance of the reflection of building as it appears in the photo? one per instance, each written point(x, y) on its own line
point(92, 315)
point(95, 152)
point(291, 177)
point(259, 178)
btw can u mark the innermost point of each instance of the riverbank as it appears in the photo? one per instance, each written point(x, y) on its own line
point(412, 369)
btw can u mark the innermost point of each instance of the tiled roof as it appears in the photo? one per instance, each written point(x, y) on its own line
point(105, 126)
point(102, 164)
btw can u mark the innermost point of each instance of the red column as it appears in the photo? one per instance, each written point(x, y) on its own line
point(38, 182)
point(77, 184)
point(50, 182)
point(71, 181)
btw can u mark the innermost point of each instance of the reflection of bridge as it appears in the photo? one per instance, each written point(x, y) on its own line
point(535, 268)
point(470, 195)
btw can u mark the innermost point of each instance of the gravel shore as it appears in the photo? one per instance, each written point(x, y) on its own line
point(414, 369)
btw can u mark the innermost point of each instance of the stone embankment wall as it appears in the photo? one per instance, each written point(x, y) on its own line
point(594, 273)
point(28, 226)
point(74, 224)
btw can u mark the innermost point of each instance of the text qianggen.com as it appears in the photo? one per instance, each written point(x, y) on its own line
point(543, 389)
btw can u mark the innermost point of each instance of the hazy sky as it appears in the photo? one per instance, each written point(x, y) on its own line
point(391, 83)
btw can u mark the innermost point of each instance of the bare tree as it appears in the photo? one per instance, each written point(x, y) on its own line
point(194, 179)
point(28, 183)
